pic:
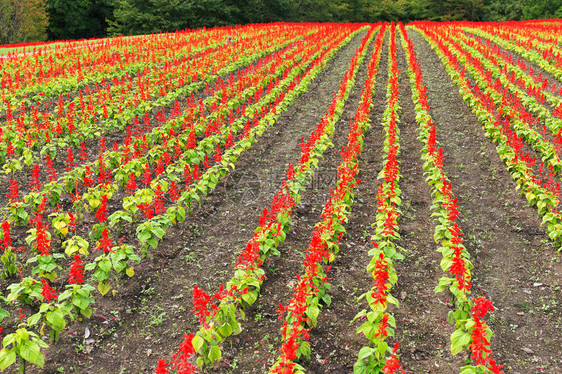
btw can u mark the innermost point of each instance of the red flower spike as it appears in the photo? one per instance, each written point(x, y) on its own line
point(47, 292)
point(131, 184)
point(101, 213)
point(6, 231)
point(392, 365)
point(105, 242)
point(161, 368)
point(481, 307)
point(76, 275)
point(13, 191)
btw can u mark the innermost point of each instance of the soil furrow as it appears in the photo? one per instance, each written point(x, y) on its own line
point(515, 263)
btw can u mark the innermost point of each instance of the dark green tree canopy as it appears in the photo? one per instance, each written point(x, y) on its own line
point(73, 19)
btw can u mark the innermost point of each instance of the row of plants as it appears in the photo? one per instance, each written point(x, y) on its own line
point(379, 321)
point(531, 94)
point(134, 157)
point(311, 293)
point(518, 71)
point(152, 150)
point(93, 198)
point(515, 104)
point(97, 198)
point(471, 332)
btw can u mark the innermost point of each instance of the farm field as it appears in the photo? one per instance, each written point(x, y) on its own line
point(285, 198)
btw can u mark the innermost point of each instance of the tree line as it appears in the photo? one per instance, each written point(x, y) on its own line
point(40, 20)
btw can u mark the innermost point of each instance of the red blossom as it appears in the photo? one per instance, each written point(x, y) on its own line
point(47, 291)
point(105, 242)
point(481, 306)
point(13, 191)
point(161, 368)
point(480, 345)
point(200, 301)
point(101, 213)
point(131, 184)
point(76, 275)
point(6, 231)
point(392, 365)
point(180, 359)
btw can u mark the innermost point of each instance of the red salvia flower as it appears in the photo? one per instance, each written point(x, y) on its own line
point(131, 184)
point(69, 160)
point(101, 213)
point(47, 292)
point(42, 240)
point(76, 275)
point(200, 301)
point(35, 176)
point(51, 171)
point(493, 366)
point(174, 191)
point(103, 147)
point(392, 365)
point(381, 331)
point(196, 174)
point(161, 368)
point(180, 359)
point(105, 242)
point(481, 306)
point(88, 178)
point(158, 203)
point(146, 210)
point(6, 230)
point(146, 175)
point(480, 344)
point(83, 153)
point(381, 276)
point(13, 191)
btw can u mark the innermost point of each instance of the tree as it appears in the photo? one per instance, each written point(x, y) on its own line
point(23, 21)
point(79, 19)
point(541, 9)
point(150, 16)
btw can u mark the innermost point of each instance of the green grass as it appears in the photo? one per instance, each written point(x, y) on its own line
point(6, 50)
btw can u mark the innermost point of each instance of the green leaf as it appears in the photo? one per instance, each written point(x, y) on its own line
point(30, 352)
point(459, 339)
point(304, 350)
point(103, 288)
point(197, 343)
point(215, 353)
point(7, 358)
point(365, 352)
point(32, 320)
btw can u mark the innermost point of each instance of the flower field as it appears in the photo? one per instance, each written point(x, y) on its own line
point(285, 198)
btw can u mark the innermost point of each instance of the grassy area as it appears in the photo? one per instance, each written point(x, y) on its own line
point(7, 50)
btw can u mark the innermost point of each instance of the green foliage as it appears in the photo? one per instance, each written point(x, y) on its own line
point(23, 21)
point(142, 17)
point(74, 19)
point(78, 19)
